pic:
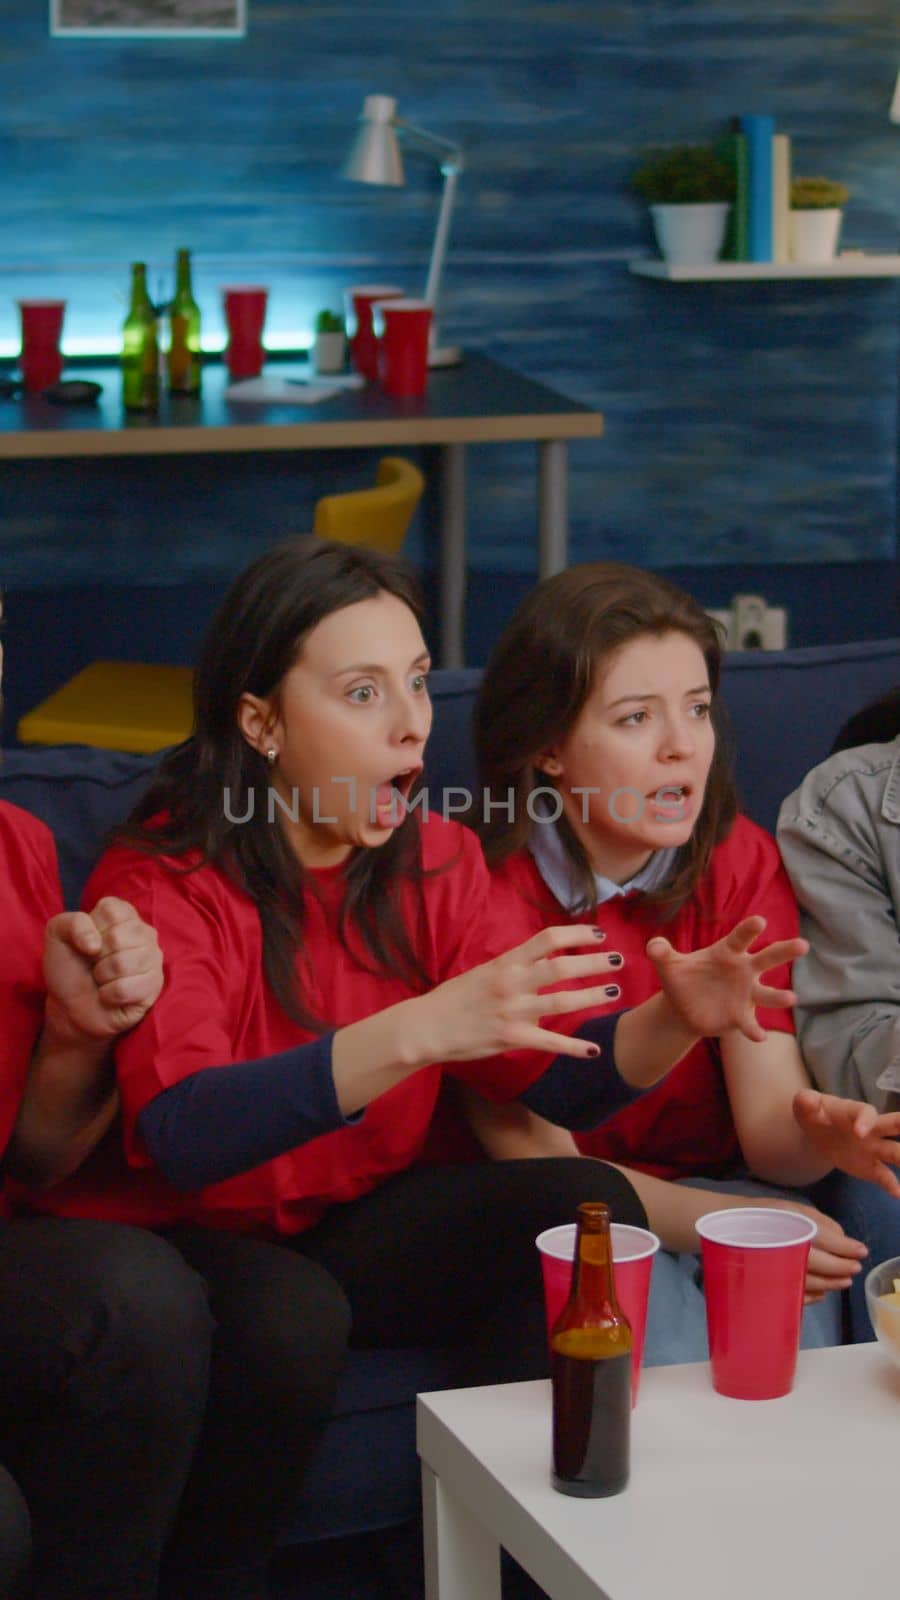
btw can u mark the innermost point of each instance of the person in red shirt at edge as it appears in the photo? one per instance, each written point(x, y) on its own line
point(607, 799)
point(327, 947)
point(104, 1333)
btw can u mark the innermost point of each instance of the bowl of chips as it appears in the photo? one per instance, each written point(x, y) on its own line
point(883, 1301)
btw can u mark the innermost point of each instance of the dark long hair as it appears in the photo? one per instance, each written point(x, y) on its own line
point(539, 676)
point(252, 643)
point(877, 722)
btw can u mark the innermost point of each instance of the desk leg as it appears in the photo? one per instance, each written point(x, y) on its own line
point(553, 506)
point(462, 1560)
point(452, 573)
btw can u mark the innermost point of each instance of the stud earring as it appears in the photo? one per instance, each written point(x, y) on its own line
point(271, 756)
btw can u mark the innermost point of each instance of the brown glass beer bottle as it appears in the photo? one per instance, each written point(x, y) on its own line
point(184, 355)
point(590, 1369)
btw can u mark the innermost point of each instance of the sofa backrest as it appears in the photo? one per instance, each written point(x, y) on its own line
point(785, 706)
point(80, 793)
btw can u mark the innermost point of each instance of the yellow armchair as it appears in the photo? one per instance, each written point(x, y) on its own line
point(376, 517)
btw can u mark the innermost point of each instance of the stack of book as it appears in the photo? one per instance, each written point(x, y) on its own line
point(761, 159)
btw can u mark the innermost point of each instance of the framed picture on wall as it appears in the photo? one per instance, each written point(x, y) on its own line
point(158, 19)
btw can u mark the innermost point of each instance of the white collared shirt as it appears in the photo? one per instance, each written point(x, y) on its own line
point(561, 878)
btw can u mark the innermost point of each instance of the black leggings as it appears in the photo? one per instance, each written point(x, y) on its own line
point(432, 1254)
point(278, 1349)
point(437, 1255)
point(104, 1357)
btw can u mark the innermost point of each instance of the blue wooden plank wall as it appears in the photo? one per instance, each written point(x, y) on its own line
point(748, 425)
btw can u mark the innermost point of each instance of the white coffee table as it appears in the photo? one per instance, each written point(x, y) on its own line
point(793, 1499)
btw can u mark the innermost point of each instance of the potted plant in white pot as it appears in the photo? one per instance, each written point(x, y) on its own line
point(689, 189)
point(330, 346)
point(816, 214)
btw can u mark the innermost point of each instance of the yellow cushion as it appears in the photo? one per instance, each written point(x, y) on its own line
point(115, 705)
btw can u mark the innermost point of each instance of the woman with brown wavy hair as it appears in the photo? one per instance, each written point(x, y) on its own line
point(608, 799)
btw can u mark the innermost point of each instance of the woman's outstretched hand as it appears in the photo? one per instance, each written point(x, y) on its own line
point(491, 1010)
point(852, 1135)
point(496, 1007)
point(719, 987)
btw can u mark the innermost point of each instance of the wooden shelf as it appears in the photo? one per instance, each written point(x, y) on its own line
point(851, 265)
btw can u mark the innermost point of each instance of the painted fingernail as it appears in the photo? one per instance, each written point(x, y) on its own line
point(593, 1050)
point(598, 934)
point(612, 991)
point(615, 960)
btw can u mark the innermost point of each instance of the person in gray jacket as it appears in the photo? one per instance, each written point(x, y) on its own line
point(839, 835)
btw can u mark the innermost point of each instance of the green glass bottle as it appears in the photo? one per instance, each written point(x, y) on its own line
point(183, 359)
point(140, 347)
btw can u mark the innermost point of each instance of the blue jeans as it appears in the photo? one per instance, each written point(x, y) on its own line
point(867, 1213)
point(676, 1314)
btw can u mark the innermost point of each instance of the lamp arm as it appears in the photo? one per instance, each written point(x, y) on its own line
point(439, 248)
point(444, 151)
point(449, 157)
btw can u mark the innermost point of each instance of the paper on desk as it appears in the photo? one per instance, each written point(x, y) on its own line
point(291, 391)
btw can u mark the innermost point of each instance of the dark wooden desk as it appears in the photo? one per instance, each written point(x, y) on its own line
point(478, 402)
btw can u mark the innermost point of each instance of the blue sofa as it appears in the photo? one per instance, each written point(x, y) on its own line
point(785, 709)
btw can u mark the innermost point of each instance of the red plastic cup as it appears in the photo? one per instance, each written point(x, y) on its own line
point(41, 357)
point(754, 1272)
point(633, 1252)
point(245, 315)
point(402, 328)
point(358, 303)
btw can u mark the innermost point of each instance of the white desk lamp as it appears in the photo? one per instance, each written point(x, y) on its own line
point(376, 158)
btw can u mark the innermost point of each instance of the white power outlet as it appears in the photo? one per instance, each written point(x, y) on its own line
point(758, 626)
point(751, 624)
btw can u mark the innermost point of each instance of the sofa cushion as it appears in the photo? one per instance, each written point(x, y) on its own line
point(80, 793)
point(373, 1420)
